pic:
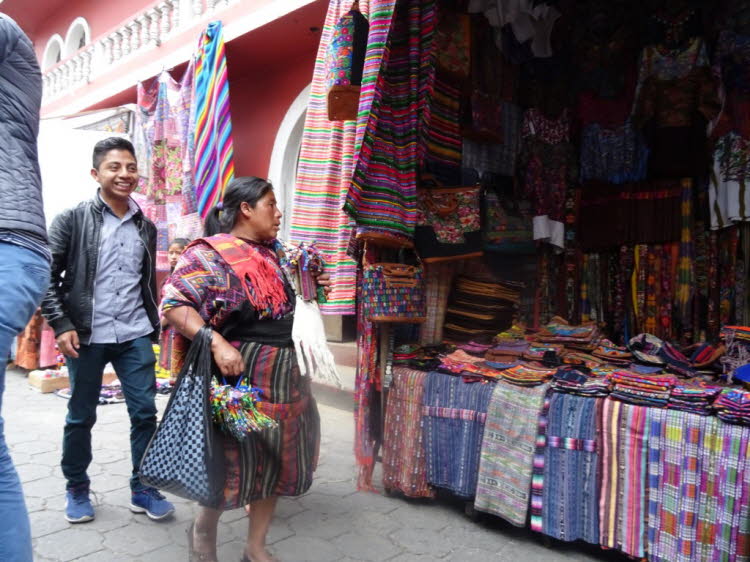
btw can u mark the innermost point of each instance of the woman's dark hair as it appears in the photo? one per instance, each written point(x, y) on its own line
point(180, 242)
point(248, 190)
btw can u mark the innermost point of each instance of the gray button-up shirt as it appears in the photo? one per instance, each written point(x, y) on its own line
point(119, 314)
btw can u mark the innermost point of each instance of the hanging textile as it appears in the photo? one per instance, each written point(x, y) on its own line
point(328, 153)
point(382, 196)
point(622, 507)
point(366, 384)
point(404, 467)
point(164, 149)
point(214, 165)
point(504, 485)
point(698, 474)
point(453, 415)
point(569, 494)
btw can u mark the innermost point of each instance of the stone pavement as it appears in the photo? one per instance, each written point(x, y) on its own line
point(331, 522)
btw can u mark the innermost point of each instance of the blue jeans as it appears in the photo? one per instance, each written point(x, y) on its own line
point(134, 364)
point(24, 277)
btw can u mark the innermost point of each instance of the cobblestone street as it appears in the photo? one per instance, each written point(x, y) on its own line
point(331, 522)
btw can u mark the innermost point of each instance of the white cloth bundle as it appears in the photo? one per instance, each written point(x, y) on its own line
point(313, 355)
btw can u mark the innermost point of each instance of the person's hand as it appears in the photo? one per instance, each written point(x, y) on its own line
point(69, 344)
point(324, 280)
point(227, 357)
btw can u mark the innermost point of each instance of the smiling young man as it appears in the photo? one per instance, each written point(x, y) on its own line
point(102, 304)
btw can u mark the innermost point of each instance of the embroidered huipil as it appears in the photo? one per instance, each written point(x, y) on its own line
point(547, 167)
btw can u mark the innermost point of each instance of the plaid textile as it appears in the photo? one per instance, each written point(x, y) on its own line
point(570, 494)
point(439, 279)
point(452, 444)
point(622, 506)
point(404, 466)
point(698, 488)
point(508, 450)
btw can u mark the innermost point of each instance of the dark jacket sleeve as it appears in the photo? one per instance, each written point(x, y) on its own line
point(53, 308)
point(8, 38)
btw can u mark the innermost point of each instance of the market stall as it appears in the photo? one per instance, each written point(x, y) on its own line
point(546, 203)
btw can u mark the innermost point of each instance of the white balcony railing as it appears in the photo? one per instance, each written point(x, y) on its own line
point(143, 32)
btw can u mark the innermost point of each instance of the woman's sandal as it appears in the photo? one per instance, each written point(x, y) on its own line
point(194, 556)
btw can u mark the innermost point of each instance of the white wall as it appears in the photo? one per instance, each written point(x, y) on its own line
point(65, 162)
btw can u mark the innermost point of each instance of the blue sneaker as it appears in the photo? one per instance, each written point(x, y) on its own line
point(78, 508)
point(152, 503)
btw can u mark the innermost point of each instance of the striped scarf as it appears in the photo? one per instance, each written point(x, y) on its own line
point(214, 167)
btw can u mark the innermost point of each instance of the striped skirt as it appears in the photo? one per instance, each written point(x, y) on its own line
point(508, 447)
point(404, 464)
point(453, 415)
point(280, 461)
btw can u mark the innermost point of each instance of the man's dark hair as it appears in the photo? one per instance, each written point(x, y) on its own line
point(112, 143)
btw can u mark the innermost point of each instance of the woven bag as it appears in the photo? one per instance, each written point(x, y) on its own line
point(393, 291)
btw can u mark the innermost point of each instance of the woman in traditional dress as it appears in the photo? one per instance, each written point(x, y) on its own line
point(234, 280)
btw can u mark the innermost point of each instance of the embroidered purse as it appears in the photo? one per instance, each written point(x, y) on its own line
point(345, 60)
point(392, 291)
point(448, 223)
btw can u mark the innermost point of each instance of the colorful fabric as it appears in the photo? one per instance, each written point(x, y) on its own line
point(328, 153)
point(622, 506)
point(382, 196)
point(281, 461)
point(404, 467)
point(453, 427)
point(698, 493)
point(214, 149)
point(505, 469)
point(569, 494)
point(278, 461)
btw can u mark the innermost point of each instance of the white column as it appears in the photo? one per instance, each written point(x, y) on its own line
point(211, 5)
point(197, 8)
point(135, 35)
point(153, 30)
point(86, 57)
point(116, 46)
point(143, 29)
point(166, 16)
point(126, 35)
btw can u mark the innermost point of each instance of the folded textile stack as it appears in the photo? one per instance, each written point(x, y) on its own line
point(507, 351)
point(579, 358)
point(543, 351)
point(733, 406)
point(461, 363)
point(524, 375)
point(422, 358)
point(650, 350)
point(643, 390)
point(737, 342)
point(478, 310)
point(575, 381)
point(693, 396)
point(614, 354)
point(582, 337)
point(475, 348)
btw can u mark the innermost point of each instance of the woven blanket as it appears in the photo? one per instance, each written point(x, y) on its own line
point(698, 475)
point(622, 507)
point(508, 447)
point(454, 414)
point(382, 195)
point(569, 492)
point(327, 157)
point(404, 467)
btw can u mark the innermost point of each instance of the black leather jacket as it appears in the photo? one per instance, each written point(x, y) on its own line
point(74, 242)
